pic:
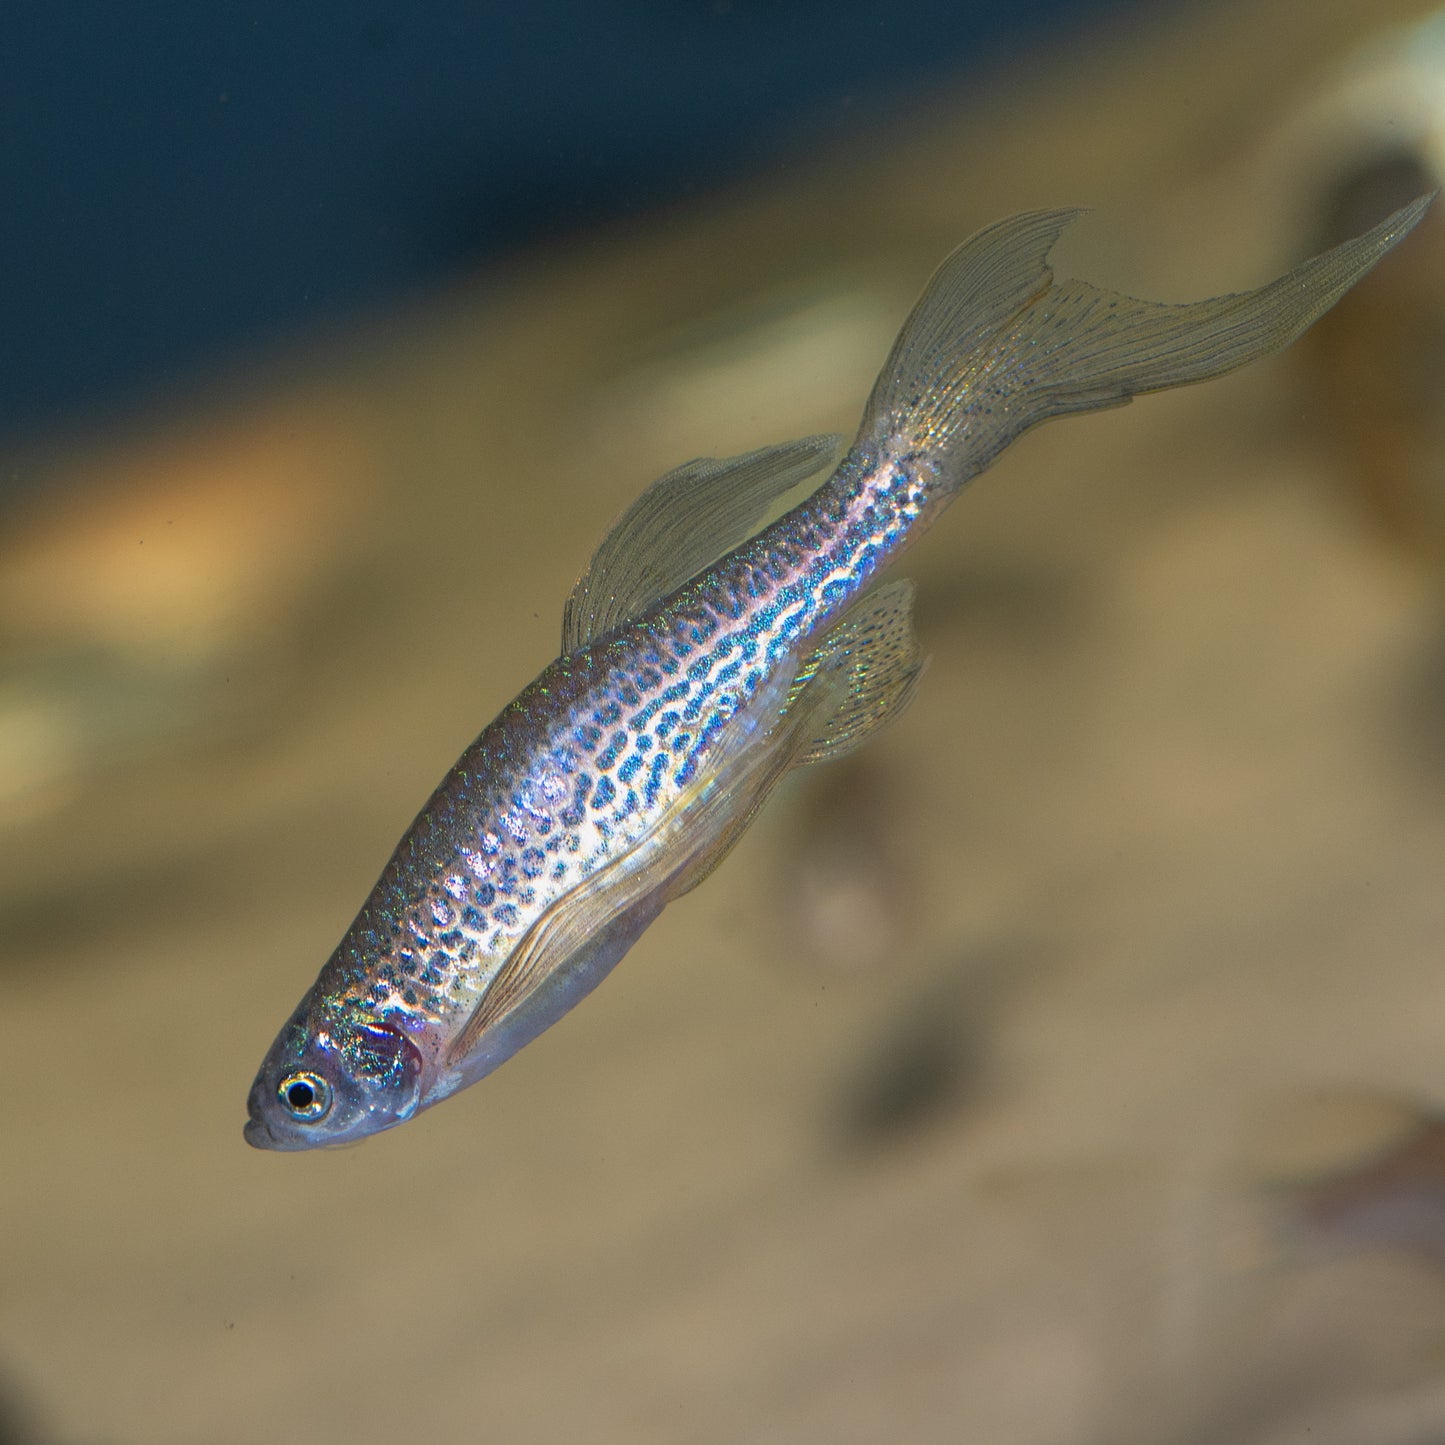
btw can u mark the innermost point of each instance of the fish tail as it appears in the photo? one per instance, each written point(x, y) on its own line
point(996, 345)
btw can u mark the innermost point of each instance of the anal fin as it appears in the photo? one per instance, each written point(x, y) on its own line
point(870, 662)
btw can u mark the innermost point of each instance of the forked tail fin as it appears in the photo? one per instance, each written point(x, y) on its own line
point(996, 345)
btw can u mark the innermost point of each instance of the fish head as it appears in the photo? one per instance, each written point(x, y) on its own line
point(332, 1078)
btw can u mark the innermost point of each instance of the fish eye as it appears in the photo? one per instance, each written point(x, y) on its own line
point(305, 1096)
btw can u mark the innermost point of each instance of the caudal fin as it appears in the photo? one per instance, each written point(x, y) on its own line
point(996, 345)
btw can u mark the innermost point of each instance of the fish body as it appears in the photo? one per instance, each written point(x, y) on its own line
point(702, 659)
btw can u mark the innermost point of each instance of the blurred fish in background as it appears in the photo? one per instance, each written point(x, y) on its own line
point(1355, 1171)
point(934, 1115)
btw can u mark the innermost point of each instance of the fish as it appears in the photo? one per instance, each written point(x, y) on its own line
point(706, 652)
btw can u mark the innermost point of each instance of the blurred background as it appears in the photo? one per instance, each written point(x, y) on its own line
point(1065, 1067)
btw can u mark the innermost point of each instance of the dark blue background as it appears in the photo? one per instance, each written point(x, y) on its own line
point(178, 181)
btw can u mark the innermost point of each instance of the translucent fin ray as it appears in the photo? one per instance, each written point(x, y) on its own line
point(682, 522)
point(874, 661)
point(687, 842)
point(996, 346)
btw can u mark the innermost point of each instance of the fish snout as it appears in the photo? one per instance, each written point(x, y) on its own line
point(257, 1131)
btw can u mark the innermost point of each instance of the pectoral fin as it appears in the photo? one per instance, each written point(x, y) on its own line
point(680, 524)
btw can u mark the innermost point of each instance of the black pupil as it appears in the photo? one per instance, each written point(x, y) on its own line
point(300, 1095)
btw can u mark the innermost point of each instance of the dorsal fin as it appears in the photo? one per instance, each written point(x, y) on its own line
point(682, 522)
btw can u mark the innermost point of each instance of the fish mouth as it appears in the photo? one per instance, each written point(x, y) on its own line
point(258, 1132)
point(257, 1135)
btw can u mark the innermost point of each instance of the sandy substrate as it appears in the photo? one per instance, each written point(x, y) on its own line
point(957, 1106)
